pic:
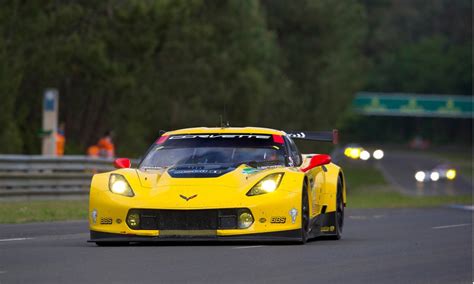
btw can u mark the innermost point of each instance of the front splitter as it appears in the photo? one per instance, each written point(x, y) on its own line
point(281, 236)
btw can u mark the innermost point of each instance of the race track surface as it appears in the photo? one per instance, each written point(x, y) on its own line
point(379, 246)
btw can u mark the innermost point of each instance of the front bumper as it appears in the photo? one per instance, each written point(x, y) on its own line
point(281, 236)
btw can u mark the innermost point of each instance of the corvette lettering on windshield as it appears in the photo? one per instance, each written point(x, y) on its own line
point(212, 136)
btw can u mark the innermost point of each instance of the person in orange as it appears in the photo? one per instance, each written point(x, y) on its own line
point(106, 146)
point(60, 140)
point(93, 151)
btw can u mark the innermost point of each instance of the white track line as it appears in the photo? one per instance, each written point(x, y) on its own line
point(463, 207)
point(451, 226)
point(15, 239)
point(247, 247)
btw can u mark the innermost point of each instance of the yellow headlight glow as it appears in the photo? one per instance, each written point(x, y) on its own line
point(451, 174)
point(269, 184)
point(119, 185)
point(355, 153)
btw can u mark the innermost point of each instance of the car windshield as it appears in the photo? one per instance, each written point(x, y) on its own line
point(215, 149)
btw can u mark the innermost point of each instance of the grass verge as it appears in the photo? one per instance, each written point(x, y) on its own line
point(367, 188)
point(42, 211)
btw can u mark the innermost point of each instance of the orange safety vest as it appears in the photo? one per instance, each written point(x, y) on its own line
point(93, 151)
point(106, 146)
point(60, 141)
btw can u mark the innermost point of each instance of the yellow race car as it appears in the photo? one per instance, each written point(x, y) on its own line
point(229, 184)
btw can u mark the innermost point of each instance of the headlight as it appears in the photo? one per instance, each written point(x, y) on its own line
point(364, 155)
point(434, 176)
point(133, 220)
point(420, 176)
point(378, 154)
point(119, 185)
point(269, 184)
point(245, 219)
point(451, 174)
point(355, 153)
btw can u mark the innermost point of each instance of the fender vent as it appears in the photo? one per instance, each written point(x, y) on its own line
point(323, 209)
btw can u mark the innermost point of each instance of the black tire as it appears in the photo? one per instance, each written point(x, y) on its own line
point(304, 215)
point(339, 210)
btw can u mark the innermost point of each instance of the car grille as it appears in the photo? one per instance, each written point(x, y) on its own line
point(208, 219)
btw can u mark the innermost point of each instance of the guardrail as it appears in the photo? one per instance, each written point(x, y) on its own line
point(24, 176)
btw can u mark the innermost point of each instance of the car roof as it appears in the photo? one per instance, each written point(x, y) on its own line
point(233, 130)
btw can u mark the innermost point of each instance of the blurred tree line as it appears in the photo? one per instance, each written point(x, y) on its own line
point(417, 46)
point(138, 66)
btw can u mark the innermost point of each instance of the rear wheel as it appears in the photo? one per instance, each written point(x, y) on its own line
point(304, 215)
point(339, 210)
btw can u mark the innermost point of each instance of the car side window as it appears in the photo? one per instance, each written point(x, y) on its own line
point(293, 152)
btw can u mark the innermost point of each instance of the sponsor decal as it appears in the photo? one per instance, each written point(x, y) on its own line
point(184, 172)
point(250, 170)
point(293, 213)
point(94, 216)
point(278, 220)
point(187, 198)
point(213, 136)
point(328, 229)
point(297, 135)
point(105, 221)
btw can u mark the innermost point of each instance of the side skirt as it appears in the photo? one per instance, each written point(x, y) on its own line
point(323, 225)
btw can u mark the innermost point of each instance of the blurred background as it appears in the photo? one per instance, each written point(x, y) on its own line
point(102, 78)
point(135, 67)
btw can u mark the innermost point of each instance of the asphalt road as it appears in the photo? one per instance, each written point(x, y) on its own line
point(379, 246)
point(399, 168)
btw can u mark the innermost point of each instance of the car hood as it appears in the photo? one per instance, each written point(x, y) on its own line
point(158, 189)
point(201, 177)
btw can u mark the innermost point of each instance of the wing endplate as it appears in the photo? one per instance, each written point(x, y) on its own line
point(324, 136)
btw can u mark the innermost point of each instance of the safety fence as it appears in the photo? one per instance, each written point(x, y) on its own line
point(23, 176)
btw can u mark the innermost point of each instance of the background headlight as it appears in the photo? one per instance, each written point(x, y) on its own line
point(434, 176)
point(378, 154)
point(119, 185)
point(364, 155)
point(269, 184)
point(420, 176)
point(451, 174)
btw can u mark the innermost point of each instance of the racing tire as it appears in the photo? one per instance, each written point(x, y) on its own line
point(305, 222)
point(339, 211)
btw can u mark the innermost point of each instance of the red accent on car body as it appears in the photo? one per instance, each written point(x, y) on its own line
point(162, 139)
point(317, 161)
point(122, 163)
point(278, 139)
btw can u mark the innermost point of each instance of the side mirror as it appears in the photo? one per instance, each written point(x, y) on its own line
point(122, 163)
point(317, 161)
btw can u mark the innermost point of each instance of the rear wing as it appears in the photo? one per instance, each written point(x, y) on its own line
point(324, 136)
